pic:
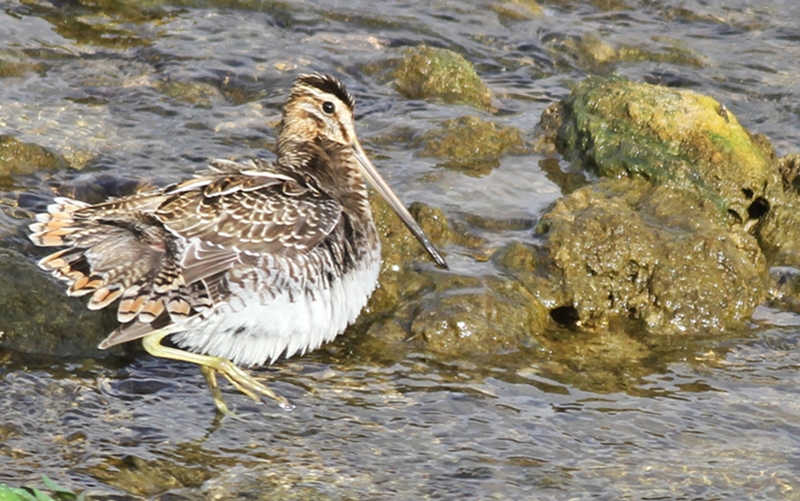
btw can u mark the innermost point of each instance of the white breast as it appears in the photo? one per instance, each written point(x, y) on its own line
point(255, 327)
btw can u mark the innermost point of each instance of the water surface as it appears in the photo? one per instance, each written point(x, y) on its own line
point(708, 419)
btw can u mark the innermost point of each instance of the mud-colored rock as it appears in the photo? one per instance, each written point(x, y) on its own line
point(592, 52)
point(10, 69)
point(418, 305)
point(17, 157)
point(457, 316)
point(779, 234)
point(517, 10)
point(494, 315)
point(432, 73)
point(535, 270)
point(38, 317)
point(778, 231)
point(98, 188)
point(628, 249)
point(470, 144)
point(200, 94)
point(150, 477)
point(677, 138)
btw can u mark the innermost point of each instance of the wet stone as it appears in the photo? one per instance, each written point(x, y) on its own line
point(592, 52)
point(495, 316)
point(517, 10)
point(442, 312)
point(432, 73)
point(627, 251)
point(687, 141)
point(200, 94)
point(17, 157)
point(458, 316)
point(470, 144)
point(38, 317)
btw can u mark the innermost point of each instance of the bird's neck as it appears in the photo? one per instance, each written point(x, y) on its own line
point(331, 167)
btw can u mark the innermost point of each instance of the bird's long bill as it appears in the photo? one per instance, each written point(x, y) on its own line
point(377, 182)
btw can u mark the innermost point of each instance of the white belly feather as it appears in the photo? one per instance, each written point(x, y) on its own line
point(262, 327)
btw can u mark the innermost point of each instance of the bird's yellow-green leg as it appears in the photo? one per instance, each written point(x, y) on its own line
point(209, 366)
point(211, 379)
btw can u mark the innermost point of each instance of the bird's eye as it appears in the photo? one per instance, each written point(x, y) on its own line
point(328, 107)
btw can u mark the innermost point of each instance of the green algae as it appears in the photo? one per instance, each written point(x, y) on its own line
point(686, 140)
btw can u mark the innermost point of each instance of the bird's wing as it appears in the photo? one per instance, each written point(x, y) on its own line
point(228, 216)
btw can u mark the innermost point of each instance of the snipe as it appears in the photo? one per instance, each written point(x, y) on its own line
point(245, 263)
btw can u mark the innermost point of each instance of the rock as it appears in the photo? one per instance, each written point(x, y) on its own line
point(677, 138)
point(458, 316)
point(493, 315)
point(470, 144)
point(38, 317)
point(200, 94)
point(628, 249)
point(778, 231)
point(446, 313)
point(517, 10)
point(432, 73)
point(592, 52)
point(17, 157)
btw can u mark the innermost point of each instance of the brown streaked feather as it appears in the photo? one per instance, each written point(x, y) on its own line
point(166, 253)
point(104, 296)
point(263, 220)
point(125, 333)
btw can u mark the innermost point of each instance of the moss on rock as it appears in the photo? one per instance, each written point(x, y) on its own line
point(470, 144)
point(17, 157)
point(626, 250)
point(432, 73)
point(679, 138)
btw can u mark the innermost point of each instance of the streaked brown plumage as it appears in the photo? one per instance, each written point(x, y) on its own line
point(245, 263)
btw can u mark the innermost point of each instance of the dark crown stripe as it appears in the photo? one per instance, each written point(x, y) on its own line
point(329, 84)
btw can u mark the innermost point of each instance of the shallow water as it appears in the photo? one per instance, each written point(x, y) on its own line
point(709, 419)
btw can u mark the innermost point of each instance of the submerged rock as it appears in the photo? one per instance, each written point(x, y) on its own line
point(470, 144)
point(417, 305)
point(432, 73)
point(17, 157)
point(592, 52)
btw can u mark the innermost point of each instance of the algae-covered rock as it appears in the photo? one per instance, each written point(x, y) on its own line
point(779, 234)
point(11, 69)
point(441, 312)
point(592, 52)
point(470, 144)
point(401, 253)
point(457, 315)
point(201, 94)
point(778, 231)
point(38, 317)
point(432, 73)
point(17, 157)
point(678, 138)
point(493, 315)
point(535, 270)
point(517, 10)
point(632, 250)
